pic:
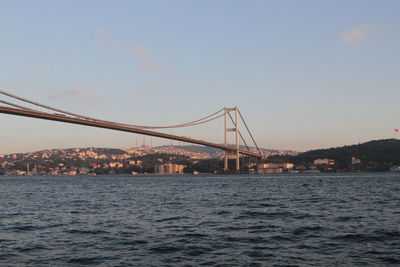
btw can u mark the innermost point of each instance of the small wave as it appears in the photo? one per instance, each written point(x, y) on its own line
point(282, 238)
point(175, 260)
point(86, 260)
point(93, 232)
point(222, 212)
point(30, 248)
point(389, 260)
point(208, 263)
point(250, 229)
point(343, 219)
point(347, 218)
point(304, 216)
point(75, 212)
point(197, 250)
point(387, 235)
point(229, 229)
point(306, 230)
point(7, 256)
point(207, 223)
point(260, 227)
point(263, 205)
point(175, 218)
point(134, 242)
point(258, 214)
point(376, 236)
point(28, 227)
point(15, 214)
point(197, 235)
point(55, 225)
point(251, 240)
point(352, 237)
point(305, 247)
point(165, 249)
point(257, 254)
point(131, 227)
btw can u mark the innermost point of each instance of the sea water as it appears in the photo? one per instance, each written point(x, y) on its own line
point(251, 220)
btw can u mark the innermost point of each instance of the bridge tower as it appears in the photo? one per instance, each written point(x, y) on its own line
point(235, 130)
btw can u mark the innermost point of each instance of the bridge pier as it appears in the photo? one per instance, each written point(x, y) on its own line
point(237, 139)
point(226, 167)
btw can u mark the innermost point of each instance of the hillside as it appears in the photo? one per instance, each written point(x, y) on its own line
point(374, 155)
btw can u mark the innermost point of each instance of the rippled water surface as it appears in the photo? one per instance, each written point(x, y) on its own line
point(320, 220)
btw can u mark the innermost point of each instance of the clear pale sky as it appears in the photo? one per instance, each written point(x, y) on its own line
point(305, 74)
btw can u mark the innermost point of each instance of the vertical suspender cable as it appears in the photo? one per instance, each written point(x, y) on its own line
point(240, 134)
point(254, 141)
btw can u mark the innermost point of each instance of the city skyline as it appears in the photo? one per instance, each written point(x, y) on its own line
point(306, 75)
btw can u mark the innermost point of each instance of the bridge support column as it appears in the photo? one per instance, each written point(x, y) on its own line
point(225, 138)
point(226, 161)
point(237, 139)
point(234, 153)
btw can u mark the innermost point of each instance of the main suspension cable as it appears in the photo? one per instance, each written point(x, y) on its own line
point(192, 123)
point(14, 105)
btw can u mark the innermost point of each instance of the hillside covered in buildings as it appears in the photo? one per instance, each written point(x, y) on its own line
point(91, 161)
point(377, 155)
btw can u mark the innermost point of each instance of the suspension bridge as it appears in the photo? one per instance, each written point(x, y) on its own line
point(239, 148)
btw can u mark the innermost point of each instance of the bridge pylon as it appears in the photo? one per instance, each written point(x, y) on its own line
point(235, 130)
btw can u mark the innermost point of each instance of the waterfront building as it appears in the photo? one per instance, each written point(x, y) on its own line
point(270, 170)
point(324, 162)
point(355, 161)
point(395, 169)
point(169, 168)
point(273, 167)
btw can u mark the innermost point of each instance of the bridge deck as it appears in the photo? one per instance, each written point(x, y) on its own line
point(117, 127)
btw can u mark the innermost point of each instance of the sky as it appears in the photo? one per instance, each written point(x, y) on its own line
point(305, 74)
